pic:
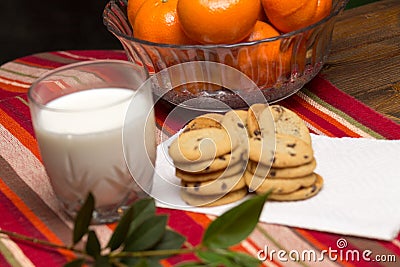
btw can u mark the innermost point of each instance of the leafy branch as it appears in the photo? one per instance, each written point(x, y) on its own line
point(142, 238)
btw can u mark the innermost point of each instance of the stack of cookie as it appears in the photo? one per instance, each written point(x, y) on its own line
point(280, 160)
point(210, 159)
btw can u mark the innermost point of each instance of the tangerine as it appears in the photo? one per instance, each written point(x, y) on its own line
point(218, 21)
point(291, 15)
point(264, 62)
point(132, 9)
point(157, 21)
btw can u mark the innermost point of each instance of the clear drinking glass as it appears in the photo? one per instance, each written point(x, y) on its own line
point(95, 128)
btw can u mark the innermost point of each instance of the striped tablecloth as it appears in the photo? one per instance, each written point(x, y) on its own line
point(28, 205)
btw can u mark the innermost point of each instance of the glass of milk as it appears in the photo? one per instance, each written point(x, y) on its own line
point(95, 127)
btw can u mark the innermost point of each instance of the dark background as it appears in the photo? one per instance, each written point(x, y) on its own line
point(32, 26)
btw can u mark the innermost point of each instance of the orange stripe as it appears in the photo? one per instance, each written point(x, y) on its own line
point(307, 236)
point(20, 133)
point(165, 263)
point(36, 222)
point(200, 219)
point(166, 129)
point(240, 248)
point(326, 117)
point(316, 126)
point(12, 88)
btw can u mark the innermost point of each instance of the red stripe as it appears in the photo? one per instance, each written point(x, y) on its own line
point(19, 112)
point(20, 224)
point(354, 108)
point(37, 61)
point(179, 220)
point(184, 224)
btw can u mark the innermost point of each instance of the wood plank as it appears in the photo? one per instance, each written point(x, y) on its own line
point(365, 56)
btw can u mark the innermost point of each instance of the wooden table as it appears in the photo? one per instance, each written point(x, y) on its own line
point(365, 56)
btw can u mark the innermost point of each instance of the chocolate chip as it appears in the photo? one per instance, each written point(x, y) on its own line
point(240, 125)
point(197, 186)
point(207, 168)
point(292, 154)
point(257, 139)
point(224, 186)
point(313, 188)
point(291, 145)
point(195, 148)
point(199, 139)
point(306, 156)
point(222, 157)
point(257, 132)
point(272, 173)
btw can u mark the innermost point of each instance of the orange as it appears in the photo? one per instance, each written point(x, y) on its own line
point(291, 15)
point(157, 21)
point(264, 63)
point(132, 9)
point(218, 21)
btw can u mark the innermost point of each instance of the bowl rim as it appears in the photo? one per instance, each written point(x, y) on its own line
point(336, 9)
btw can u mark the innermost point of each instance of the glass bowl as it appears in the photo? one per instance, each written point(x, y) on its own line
point(301, 55)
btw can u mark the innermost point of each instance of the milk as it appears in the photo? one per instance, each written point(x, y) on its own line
point(82, 138)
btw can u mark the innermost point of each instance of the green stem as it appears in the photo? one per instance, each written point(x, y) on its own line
point(13, 235)
point(150, 253)
point(123, 254)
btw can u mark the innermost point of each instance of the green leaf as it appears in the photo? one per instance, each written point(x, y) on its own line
point(142, 263)
point(244, 260)
point(234, 225)
point(142, 210)
point(102, 261)
point(147, 234)
point(93, 245)
point(153, 262)
point(121, 230)
point(215, 258)
point(170, 240)
point(83, 218)
point(75, 263)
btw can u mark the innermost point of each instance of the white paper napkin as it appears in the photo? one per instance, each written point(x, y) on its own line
point(360, 197)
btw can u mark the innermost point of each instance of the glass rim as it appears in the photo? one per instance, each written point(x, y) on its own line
point(336, 9)
point(43, 77)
